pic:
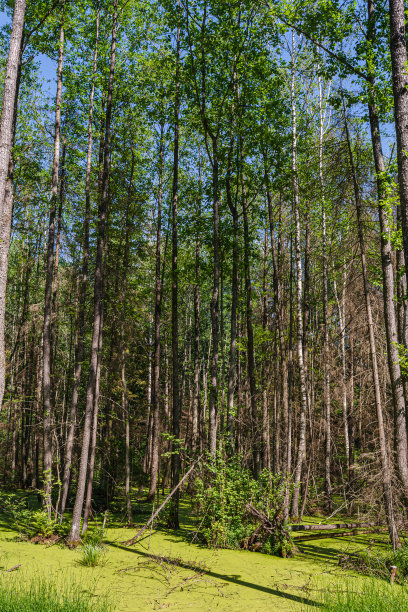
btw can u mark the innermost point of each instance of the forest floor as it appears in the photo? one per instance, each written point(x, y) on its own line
point(165, 571)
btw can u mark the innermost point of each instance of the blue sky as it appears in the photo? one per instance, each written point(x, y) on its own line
point(47, 66)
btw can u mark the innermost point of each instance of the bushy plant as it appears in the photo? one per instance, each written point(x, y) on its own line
point(223, 493)
point(29, 521)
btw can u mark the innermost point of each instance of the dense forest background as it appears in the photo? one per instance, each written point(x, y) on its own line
point(202, 241)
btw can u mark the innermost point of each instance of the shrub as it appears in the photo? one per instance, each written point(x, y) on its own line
point(28, 521)
point(221, 504)
point(42, 596)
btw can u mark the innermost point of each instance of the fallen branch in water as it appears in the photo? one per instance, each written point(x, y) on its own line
point(13, 568)
point(160, 508)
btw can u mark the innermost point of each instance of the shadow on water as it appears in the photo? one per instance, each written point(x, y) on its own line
point(233, 579)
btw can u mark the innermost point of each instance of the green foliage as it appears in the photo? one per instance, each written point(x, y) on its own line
point(94, 536)
point(221, 499)
point(41, 596)
point(28, 521)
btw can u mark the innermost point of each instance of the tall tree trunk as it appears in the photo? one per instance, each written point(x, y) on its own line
point(98, 298)
point(250, 331)
point(387, 270)
point(197, 390)
point(93, 439)
point(7, 131)
point(326, 344)
point(155, 464)
point(399, 61)
point(299, 297)
point(176, 408)
point(47, 325)
point(79, 349)
point(214, 306)
point(125, 402)
point(385, 463)
point(232, 204)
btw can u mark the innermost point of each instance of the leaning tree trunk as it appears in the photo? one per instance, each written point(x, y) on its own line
point(47, 325)
point(98, 299)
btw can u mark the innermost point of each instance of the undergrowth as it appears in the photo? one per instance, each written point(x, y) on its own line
point(41, 596)
point(371, 596)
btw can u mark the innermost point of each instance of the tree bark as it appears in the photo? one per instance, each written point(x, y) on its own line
point(387, 270)
point(399, 59)
point(79, 352)
point(326, 344)
point(299, 296)
point(250, 332)
point(98, 298)
point(385, 464)
point(47, 325)
point(7, 131)
point(176, 408)
point(155, 464)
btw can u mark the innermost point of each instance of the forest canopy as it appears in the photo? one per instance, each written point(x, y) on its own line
point(203, 236)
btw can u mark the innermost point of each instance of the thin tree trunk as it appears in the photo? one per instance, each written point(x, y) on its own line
point(326, 344)
point(98, 299)
point(299, 296)
point(385, 464)
point(155, 464)
point(79, 352)
point(197, 390)
point(176, 408)
point(214, 306)
point(250, 332)
point(47, 326)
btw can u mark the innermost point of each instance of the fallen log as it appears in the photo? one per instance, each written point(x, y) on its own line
point(328, 526)
point(340, 534)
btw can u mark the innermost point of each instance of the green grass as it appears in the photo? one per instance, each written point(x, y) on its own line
point(92, 555)
point(369, 596)
point(42, 596)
